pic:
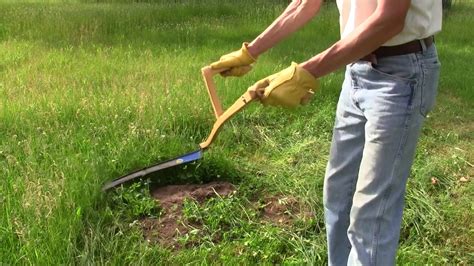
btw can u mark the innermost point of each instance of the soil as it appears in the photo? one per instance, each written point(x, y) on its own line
point(278, 210)
point(165, 229)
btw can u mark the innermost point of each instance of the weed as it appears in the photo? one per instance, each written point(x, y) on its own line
point(135, 201)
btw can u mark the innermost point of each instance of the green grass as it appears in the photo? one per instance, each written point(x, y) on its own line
point(89, 91)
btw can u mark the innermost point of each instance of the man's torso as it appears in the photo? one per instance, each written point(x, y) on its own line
point(423, 18)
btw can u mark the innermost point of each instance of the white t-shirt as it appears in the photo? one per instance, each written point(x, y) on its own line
point(423, 18)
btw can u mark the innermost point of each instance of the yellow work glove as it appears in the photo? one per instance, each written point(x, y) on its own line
point(238, 62)
point(288, 88)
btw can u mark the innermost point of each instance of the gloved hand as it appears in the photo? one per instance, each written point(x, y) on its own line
point(288, 88)
point(238, 62)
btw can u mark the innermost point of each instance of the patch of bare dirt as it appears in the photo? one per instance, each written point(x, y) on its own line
point(165, 229)
point(277, 210)
point(282, 210)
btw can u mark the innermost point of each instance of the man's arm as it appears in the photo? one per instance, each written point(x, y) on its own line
point(387, 21)
point(296, 15)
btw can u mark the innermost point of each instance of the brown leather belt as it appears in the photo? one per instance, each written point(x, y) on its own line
point(406, 48)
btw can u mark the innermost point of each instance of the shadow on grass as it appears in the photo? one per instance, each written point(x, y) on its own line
point(204, 170)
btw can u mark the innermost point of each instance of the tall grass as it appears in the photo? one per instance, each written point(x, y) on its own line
point(91, 90)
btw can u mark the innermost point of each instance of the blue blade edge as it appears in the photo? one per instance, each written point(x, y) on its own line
point(192, 156)
point(183, 159)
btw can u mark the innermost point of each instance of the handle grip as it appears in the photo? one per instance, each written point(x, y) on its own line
point(221, 115)
point(208, 73)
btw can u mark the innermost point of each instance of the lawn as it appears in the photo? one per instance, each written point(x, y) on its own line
point(89, 91)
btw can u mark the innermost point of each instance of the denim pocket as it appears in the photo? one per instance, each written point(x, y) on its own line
point(429, 86)
point(396, 72)
point(384, 92)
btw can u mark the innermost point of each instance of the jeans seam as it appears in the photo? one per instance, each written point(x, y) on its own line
point(351, 197)
point(421, 87)
point(387, 194)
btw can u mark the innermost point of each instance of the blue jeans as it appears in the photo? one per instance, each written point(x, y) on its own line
point(379, 116)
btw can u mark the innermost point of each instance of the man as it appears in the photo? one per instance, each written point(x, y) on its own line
point(390, 85)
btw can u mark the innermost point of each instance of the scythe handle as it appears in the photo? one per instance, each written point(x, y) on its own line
point(221, 116)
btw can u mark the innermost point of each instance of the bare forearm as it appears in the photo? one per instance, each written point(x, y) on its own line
point(296, 15)
point(371, 34)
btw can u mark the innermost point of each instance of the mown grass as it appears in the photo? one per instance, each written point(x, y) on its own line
point(92, 90)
